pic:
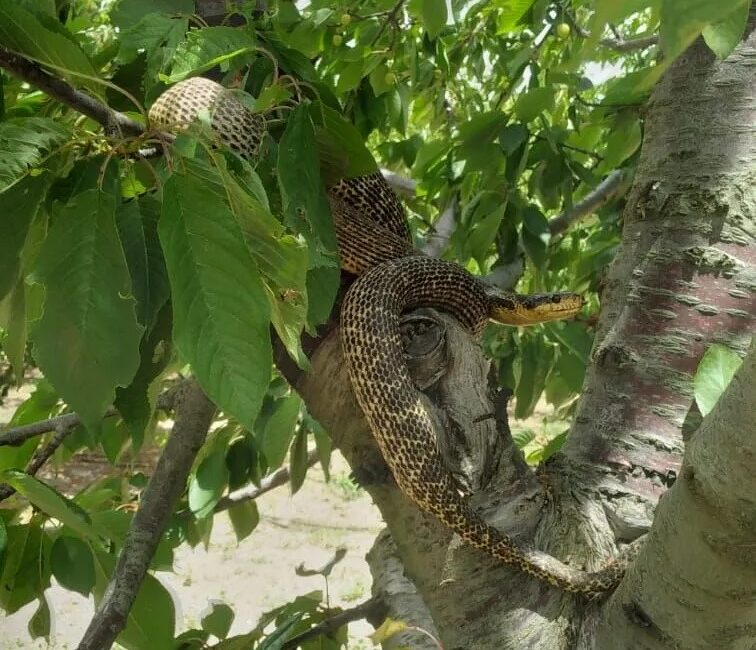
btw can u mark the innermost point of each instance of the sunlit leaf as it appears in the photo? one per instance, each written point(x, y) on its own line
point(715, 371)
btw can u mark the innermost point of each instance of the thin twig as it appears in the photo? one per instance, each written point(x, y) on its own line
point(390, 17)
point(371, 608)
point(66, 94)
point(39, 458)
point(610, 188)
point(19, 435)
point(250, 492)
point(618, 44)
point(194, 414)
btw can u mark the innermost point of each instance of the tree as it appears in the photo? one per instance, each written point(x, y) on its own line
point(124, 255)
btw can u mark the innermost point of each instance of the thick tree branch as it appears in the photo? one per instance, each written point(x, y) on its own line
point(702, 556)
point(402, 185)
point(250, 492)
point(66, 94)
point(371, 609)
point(18, 435)
point(194, 413)
point(437, 241)
point(607, 190)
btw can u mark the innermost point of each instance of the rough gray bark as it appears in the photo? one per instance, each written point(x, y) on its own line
point(684, 278)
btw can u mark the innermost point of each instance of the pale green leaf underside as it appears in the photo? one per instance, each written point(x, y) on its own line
point(716, 369)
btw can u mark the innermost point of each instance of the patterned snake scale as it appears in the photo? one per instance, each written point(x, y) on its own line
point(374, 243)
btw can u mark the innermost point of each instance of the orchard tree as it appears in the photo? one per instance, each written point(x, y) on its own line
point(599, 146)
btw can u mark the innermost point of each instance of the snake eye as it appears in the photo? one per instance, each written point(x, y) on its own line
point(556, 298)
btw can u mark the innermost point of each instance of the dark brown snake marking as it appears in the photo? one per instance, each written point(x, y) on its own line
point(374, 243)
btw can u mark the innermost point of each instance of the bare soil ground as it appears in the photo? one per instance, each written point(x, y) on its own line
point(252, 577)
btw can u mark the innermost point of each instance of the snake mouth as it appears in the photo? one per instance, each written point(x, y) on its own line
point(514, 309)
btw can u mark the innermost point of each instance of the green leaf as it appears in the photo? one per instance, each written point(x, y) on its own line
point(87, 341)
point(481, 130)
point(207, 47)
point(147, 35)
point(535, 235)
point(49, 501)
point(208, 483)
point(136, 402)
point(218, 621)
point(281, 258)
point(3, 543)
point(298, 460)
point(532, 367)
point(72, 564)
point(39, 623)
point(523, 437)
point(22, 32)
point(279, 429)
point(128, 13)
point(554, 445)
point(323, 444)
point(241, 458)
point(622, 142)
point(221, 331)
point(26, 569)
point(512, 136)
point(137, 227)
point(23, 145)
point(683, 20)
point(612, 11)
point(244, 518)
point(531, 104)
point(40, 406)
point(341, 148)
point(281, 634)
point(322, 288)
point(13, 321)
point(715, 371)
point(432, 13)
point(724, 35)
point(305, 203)
point(510, 13)
point(152, 618)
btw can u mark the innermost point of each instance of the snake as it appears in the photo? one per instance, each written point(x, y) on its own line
point(374, 243)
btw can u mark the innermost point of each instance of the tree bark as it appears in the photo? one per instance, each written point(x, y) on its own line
point(683, 278)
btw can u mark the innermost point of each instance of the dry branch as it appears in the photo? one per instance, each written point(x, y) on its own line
point(610, 188)
point(250, 492)
point(194, 413)
point(371, 608)
point(18, 435)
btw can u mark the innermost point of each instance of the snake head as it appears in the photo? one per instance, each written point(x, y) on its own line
point(510, 308)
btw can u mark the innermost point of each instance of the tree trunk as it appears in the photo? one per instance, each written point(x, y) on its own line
point(685, 277)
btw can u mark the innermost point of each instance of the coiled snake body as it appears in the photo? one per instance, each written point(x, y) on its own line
point(374, 243)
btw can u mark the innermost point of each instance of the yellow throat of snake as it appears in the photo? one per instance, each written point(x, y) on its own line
point(515, 309)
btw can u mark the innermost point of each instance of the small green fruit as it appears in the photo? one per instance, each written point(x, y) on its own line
point(345, 19)
point(337, 40)
point(389, 79)
point(563, 30)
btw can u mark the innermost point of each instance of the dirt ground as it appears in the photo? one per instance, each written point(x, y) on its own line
point(252, 577)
